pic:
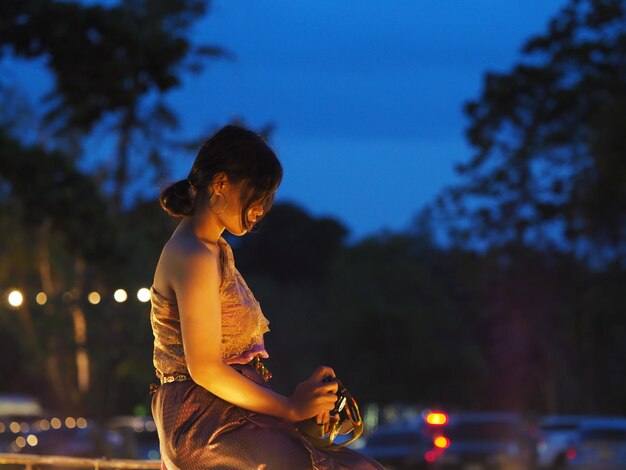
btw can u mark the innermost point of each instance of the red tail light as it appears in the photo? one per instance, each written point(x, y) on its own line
point(441, 442)
point(571, 454)
point(436, 418)
point(430, 456)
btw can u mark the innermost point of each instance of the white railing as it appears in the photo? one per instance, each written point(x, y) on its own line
point(28, 461)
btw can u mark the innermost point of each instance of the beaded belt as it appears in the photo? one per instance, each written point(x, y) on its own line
point(174, 378)
point(256, 362)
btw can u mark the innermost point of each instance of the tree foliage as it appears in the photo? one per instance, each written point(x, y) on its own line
point(105, 59)
point(548, 168)
point(112, 66)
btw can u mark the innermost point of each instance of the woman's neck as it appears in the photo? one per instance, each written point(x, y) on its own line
point(203, 226)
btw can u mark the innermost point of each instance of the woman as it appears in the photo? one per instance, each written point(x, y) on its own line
point(213, 408)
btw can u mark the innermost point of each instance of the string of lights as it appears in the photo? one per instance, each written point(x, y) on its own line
point(15, 298)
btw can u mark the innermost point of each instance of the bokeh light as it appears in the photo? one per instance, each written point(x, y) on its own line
point(436, 418)
point(15, 298)
point(442, 442)
point(120, 295)
point(68, 296)
point(94, 298)
point(143, 294)
point(41, 298)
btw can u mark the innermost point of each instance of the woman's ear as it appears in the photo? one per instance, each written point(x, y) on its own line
point(219, 181)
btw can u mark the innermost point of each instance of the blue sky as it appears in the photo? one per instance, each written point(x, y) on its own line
point(366, 95)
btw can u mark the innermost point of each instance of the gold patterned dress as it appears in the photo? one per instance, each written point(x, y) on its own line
point(198, 430)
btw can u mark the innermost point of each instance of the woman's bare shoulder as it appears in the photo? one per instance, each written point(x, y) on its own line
point(181, 256)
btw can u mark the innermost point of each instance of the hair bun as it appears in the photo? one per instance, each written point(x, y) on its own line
point(179, 199)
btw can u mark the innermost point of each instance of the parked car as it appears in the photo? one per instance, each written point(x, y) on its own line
point(557, 433)
point(400, 446)
point(485, 441)
point(90, 442)
point(19, 407)
point(600, 445)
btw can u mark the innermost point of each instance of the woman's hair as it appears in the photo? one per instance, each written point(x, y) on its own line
point(243, 156)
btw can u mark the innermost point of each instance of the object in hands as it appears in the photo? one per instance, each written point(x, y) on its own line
point(346, 421)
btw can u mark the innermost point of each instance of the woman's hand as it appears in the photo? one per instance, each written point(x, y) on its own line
point(314, 396)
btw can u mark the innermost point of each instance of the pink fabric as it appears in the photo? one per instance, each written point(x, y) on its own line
point(247, 356)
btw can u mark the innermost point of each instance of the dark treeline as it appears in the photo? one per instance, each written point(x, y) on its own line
point(518, 305)
point(406, 320)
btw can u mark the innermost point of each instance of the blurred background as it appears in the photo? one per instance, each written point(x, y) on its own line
point(451, 227)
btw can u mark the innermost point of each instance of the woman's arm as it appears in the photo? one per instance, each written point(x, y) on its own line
point(196, 284)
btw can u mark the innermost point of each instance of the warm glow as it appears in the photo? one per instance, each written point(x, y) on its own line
point(41, 298)
point(150, 426)
point(44, 424)
point(55, 423)
point(120, 295)
point(20, 441)
point(81, 423)
point(15, 298)
point(70, 423)
point(442, 442)
point(436, 418)
point(93, 298)
point(430, 456)
point(143, 294)
point(32, 440)
point(2, 427)
point(14, 427)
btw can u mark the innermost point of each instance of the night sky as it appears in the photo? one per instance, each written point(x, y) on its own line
point(366, 96)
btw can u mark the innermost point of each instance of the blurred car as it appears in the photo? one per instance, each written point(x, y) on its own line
point(485, 441)
point(600, 445)
point(400, 446)
point(557, 433)
point(139, 437)
point(19, 407)
point(91, 441)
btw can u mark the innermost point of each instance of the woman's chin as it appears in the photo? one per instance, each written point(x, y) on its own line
point(238, 232)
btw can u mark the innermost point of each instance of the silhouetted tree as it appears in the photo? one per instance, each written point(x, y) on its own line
point(111, 64)
point(549, 176)
point(548, 170)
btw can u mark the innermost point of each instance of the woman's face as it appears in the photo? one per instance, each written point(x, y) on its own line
point(230, 217)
